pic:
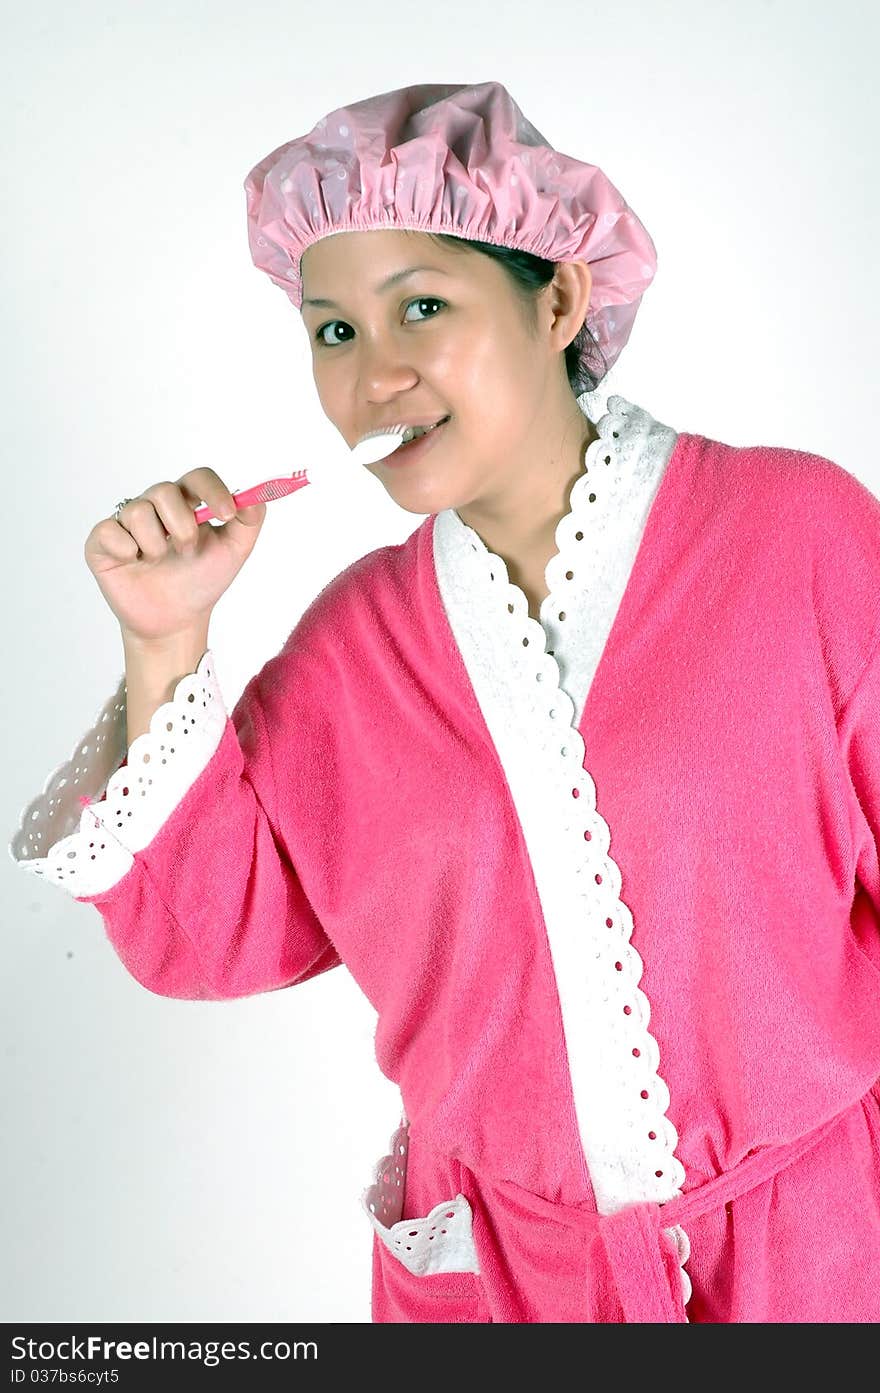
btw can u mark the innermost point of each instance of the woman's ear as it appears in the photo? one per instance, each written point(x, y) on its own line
point(569, 300)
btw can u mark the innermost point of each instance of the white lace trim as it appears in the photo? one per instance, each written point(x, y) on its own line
point(440, 1242)
point(597, 541)
point(163, 763)
point(620, 1098)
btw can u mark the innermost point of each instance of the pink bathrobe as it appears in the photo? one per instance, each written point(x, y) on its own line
point(609, 879)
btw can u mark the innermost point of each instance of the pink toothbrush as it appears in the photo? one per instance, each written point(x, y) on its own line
point(376, 445)
point(261, 493)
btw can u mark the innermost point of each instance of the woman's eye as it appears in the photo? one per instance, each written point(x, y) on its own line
point(328, 343)
point(426, 300)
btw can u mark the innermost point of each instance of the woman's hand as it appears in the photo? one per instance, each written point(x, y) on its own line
point(161, 572)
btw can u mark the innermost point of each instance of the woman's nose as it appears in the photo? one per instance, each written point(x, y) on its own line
point(385, 365)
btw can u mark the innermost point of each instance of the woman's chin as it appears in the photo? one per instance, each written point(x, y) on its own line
point(419, 495)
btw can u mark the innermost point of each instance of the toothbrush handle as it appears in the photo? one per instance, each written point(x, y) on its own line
point(242, 500)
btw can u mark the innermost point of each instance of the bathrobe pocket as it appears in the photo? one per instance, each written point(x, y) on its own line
point(425, 1264)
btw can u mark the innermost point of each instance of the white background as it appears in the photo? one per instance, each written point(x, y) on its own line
point(182, 1161)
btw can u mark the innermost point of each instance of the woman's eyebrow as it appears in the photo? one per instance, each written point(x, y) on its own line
point(386, 285)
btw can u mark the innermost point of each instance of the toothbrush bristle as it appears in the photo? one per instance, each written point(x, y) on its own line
point(384, 430)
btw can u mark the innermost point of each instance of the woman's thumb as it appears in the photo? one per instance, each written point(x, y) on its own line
point(250, 516)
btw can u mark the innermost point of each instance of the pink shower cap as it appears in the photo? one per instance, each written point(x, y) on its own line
point(461, 160)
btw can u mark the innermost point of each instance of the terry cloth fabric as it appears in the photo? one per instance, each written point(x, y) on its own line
point(610, 881)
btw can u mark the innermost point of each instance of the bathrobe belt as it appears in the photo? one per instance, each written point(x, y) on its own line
point(632, 1234)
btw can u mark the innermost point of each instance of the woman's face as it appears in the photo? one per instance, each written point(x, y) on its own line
point(448, 339)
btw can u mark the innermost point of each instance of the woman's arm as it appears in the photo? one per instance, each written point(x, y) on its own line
point(183, 858)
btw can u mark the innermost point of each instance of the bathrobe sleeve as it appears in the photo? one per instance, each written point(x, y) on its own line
point(845, 589)
point(859, 730)
point(184, 858)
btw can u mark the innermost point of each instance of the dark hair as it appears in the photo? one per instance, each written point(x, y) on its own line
point(585, 363)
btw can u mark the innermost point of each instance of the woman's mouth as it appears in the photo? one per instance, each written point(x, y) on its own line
point(416, 440)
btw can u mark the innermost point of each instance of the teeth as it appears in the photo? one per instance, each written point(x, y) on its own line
point(412, 432)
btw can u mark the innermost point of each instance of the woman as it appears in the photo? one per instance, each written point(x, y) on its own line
point(640, 1080)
